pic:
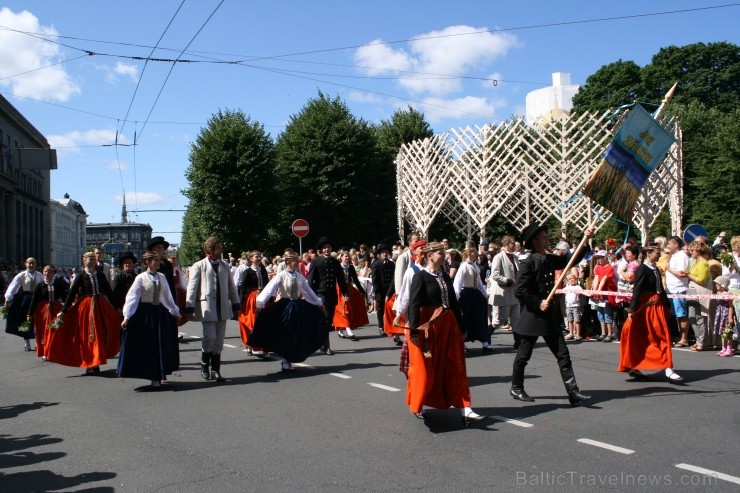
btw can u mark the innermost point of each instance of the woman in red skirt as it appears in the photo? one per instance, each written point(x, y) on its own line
point(91, 330)
point(254, 279)
point(437, 374)
point(350, 313)
point(45, 305)
point(646, 339)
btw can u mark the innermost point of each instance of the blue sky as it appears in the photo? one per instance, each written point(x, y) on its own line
point(70, 67)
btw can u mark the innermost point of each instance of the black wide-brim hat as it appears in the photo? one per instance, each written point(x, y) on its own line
point(158, 240)
point(126, 255)
point(381, 247)
point(322, 241)
point(531, 231)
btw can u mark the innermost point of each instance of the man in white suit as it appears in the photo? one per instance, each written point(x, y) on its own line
point(504, 270)
point(213, 299)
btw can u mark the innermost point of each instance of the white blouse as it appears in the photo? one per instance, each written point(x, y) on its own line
point(288, 284)
point(143, 291)
point(23, 281)
point(468, 276)
point(403, 294)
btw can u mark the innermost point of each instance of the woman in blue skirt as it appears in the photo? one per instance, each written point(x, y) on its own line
point(149, 318)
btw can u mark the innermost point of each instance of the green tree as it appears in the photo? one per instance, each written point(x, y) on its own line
point(231, 180)
point(404, 126)
point(328, 168)
point(706, 104)
point(708, 73)
point(609, 87)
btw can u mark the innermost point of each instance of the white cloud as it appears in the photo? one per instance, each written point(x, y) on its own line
point(453, 51)
point(127, 69)
point(376, 59)
point(363, 97)
point(116, 165)
point(111, 74)
point(25, 60)
point(94, 137)
point(139, 198)
point(438, 109)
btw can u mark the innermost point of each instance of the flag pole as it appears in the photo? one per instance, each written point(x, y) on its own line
point(666, 99)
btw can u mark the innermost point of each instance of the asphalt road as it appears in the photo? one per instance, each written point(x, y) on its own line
point(340, 424)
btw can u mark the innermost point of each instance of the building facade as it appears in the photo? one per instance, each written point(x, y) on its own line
point(68, 232)
point(26, 161)
point(119, 237)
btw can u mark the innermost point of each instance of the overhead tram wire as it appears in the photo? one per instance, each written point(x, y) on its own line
point(283, 56)
point(146, 62)
point(351, 47)
point(44, 67)
point(173, 65)
point(131, 103)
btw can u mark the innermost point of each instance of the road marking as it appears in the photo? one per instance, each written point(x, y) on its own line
point(709, 472)
point(302, 365)
point(245, 350)
point(514, 422)
point(340, 375)
point(229, 345)
point(194, 337)
point(384, 387)
point(607, 446)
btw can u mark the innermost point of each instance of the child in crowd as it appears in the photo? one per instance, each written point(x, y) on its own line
point(573, 308)
point(724, 318)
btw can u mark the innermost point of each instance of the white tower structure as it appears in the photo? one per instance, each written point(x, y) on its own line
point(549, 102)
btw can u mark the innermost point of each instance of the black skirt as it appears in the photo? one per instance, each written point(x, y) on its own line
point(293, 329)
point(148, 349)
point(474, 315)
point(17, 313)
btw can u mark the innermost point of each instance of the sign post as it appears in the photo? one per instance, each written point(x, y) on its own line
point(300, 229)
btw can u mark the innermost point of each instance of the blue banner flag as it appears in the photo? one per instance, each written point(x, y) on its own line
point(637, 149)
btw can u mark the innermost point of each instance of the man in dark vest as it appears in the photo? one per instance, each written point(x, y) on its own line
point(324, 277)
point(538, 317)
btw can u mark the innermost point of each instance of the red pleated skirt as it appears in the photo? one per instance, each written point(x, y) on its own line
point(439, 381)
point(645, 342)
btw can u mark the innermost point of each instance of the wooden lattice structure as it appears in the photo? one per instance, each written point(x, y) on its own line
point(524, 173)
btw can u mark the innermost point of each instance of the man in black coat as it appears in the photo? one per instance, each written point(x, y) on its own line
point(159, 246)
point(538, 317)
point(383, 273)
point(323, 277)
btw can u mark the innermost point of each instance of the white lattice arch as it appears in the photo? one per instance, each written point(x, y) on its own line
point(524, 173)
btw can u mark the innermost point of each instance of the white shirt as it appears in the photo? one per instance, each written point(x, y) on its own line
point(289, 284)
point(468, 276)
point(401, 305)
point(679, 261)
point(25, 281)
point(142, 290)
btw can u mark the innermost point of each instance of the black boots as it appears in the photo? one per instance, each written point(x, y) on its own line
point(216, 368)
point(574, 394)
point(205, 359)
point(519, 394)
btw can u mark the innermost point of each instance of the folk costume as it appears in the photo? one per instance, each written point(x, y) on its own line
point(124, 281)
point(437, 375)
point(383, 272)
point(91, 331)
point(46, 303)
point(352, 312)
point(148, 350)
point(253, 281)
point(324, 278)
point(293, 327)
point(646, 338)
point(18, 299)
point(213, 300)
point(472, 297)
point(536, 280)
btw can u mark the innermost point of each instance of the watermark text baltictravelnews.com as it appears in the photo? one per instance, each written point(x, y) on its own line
point(574, 478)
